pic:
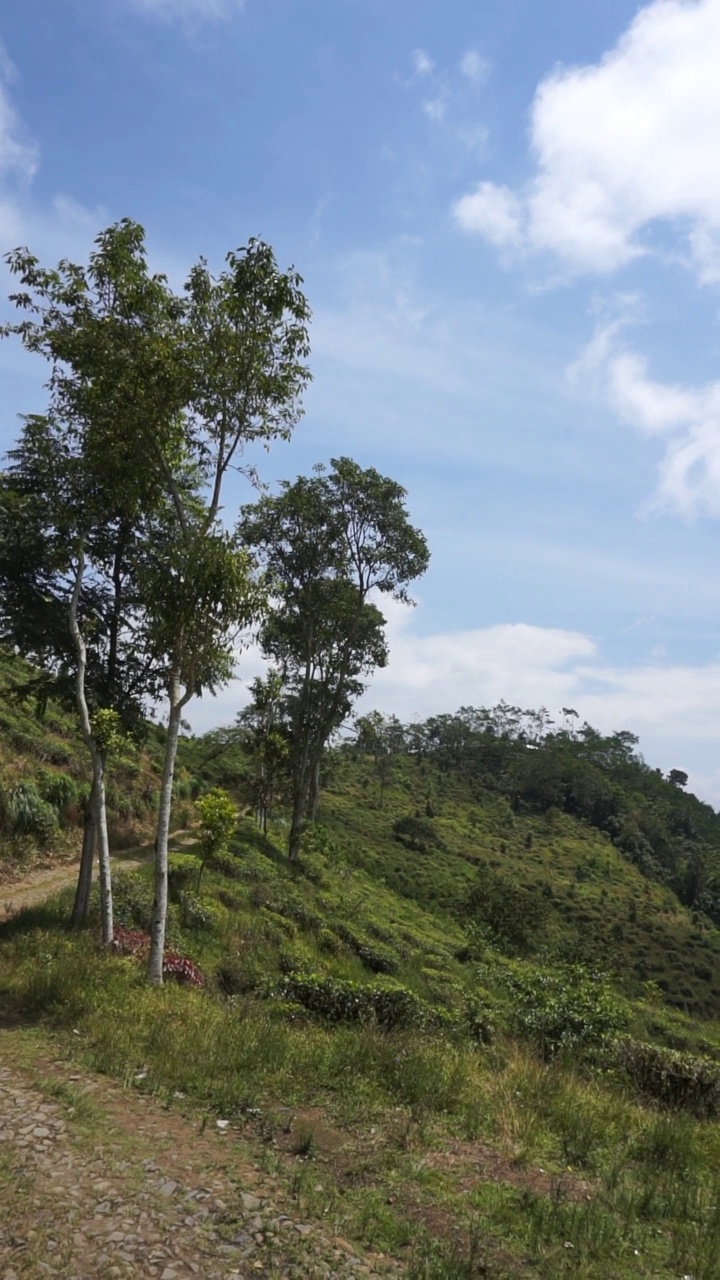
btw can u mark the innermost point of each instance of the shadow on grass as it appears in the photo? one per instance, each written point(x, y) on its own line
point(51, 915)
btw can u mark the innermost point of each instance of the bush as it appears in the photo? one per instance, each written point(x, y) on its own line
point(243, 974)
point(503, 912)
point(675, 1079)
point(337, 1000)
point(226, 864)
point(375, 957)
point(59, 790)
point(183, 871)
point(27, 814)
point(132, 902)
point(417, 834)
point(567, 1007)
point(195, 912)
point(480, 1019)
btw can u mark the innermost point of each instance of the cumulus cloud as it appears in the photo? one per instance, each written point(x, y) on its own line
point(18, 154)
point(494, 212)
point(436, 108)
point(623, 145)
point(58, 228)
point(686, 417)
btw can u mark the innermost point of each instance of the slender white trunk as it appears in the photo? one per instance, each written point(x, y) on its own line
point(96, 755)
point(159, 916)
point(81, 905)
point(103, 847)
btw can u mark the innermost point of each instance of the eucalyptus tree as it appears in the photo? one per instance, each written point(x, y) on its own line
point(328, 543)
point(246, 342)
point(78, 492)
point(164, 393)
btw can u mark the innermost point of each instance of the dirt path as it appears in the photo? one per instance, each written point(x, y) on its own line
point(36, 886)
point(96, 1181)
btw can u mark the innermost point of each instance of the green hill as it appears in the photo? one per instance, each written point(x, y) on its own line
point(476, 1028)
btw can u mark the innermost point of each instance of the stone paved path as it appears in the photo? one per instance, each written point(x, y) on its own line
point(138, 1194)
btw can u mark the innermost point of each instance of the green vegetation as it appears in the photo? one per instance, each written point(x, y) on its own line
point(484, 1082)
point(485, 986)
point(45, 775)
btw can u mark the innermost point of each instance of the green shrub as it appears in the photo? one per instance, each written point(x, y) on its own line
point(417, 834)
point(480, 1018)
point(59, 790)
point(27, 814)
point(502, 912)
point(566, 1007)
point(337, 1000)
point(183, 872)
point(675, 1079)
point(226, 864)
point(374, 956)
point(132, 901)
point(328, 941)
point(242, 973)
point(195, 912)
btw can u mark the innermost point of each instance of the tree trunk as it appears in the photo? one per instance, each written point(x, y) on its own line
point(159, 915)
point(296, 826)
point(103, 845)
point(314, 801)
point(97, 756)
point(81, 905)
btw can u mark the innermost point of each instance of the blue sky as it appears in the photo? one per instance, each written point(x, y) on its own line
point(508, 220)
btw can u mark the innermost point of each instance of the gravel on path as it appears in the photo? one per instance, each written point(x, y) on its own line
point(77, 1205)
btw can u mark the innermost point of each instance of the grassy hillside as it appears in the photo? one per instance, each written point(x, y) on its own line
point(471, 1035)
point(44, 776)
point(524, 1088)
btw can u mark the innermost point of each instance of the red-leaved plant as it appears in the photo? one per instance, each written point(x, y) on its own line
point(176, 968)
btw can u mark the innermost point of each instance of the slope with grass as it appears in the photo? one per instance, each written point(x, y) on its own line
point(44, 778)
point(471, 1037)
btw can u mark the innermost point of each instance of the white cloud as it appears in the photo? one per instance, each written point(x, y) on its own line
point(474, 67)
point(18, 154)
point(187, 10)
point(423, 64)
point(687, 417)
point(494, 212)
point(625, 144)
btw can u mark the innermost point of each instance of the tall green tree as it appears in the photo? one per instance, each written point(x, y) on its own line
point(165, 393)
point(329, 543)
point(110, 332)
point(246, 342)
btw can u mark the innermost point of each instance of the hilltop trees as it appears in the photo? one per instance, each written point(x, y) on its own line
point(328, 543)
